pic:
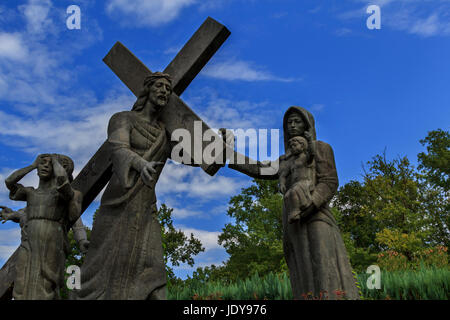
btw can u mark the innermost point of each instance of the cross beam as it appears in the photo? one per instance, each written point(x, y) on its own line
point(184, 67)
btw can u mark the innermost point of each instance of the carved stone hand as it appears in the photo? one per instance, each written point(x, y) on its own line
point(148, 170)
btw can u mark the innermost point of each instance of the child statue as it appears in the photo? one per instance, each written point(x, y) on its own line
point(20, 216)
point(296, 165)
point(50, 208)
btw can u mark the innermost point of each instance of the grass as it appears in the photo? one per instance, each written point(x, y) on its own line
point(425, 284)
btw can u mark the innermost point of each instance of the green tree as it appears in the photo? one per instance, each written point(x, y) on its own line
point(75, 257)
point(435, 163)
point(386, 207)
point(435, 170)
point(390, 209)
point(254, 240)
point(178, 248)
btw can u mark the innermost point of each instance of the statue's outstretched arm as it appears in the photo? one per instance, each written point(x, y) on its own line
point(16, 176)
point(267, 170)
point(11, 215)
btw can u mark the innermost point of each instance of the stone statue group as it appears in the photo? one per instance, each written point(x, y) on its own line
point(124, 258)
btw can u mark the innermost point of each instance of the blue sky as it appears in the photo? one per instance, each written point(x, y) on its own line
point(368, 89)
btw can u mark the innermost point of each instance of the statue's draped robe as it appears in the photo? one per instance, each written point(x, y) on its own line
point(40, 262)
point(125, 256)
point(313, 248)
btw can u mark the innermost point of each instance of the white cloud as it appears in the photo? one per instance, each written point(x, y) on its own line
point(31, 180)
point(240, 70)
point(46, 108)
point(152, 13)
point(207, 238)
point(423, 18)
point(193, 182)
point(36, 13)
point(185, 210)
point(213, 254)
point(343, 32)
point(426, 27)
point(9, 241)
point(78, 138)
point(12, 46)
point(317, 107)
point(221, 112)
point(180, 212)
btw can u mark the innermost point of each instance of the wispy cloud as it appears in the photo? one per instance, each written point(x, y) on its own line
point(220, 112)
point(318, 107)
point(240, 70)
point(213, 254)
point(193, 182)
point(343, 32)
point(37, 16)
point(151, 13)
point(12, 47)
point(9, 241)
point(209, 239)
point(39, 91)
point(78, 138)
point(423, 18)
point(30, 179)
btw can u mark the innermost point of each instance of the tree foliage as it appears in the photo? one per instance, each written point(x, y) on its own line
point(435, 164)
point(178, 248)
point(435, 170)
point(254, 239)
point(394, 208)
point(397, 207)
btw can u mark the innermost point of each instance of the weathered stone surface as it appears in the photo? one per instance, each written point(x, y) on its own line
point(37, 267)
point(313, 247)
point(185, 66)
point(7, 274)
point(125, 258)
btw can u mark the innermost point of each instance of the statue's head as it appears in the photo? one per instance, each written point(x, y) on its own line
point(67, 164)
point(45, 167)
point(298, 144)
point(296, 124)
point(157, 89)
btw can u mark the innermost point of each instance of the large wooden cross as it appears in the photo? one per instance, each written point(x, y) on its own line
point(183, 69)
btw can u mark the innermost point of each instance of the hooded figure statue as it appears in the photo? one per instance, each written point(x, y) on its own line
point(313, 247)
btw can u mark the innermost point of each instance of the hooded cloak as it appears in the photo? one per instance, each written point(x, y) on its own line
point(313, 247)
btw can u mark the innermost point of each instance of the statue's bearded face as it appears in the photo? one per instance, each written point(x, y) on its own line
point(45, 168)
point(295, 125)
point(159, 93)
